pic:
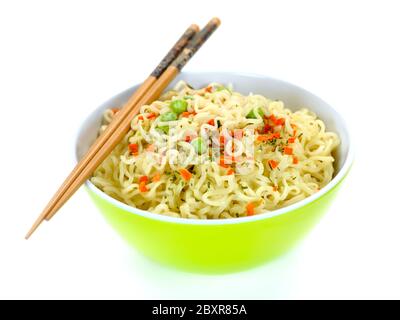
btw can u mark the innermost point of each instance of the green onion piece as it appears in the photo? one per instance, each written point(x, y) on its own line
point(165, 129)
point(252, 113)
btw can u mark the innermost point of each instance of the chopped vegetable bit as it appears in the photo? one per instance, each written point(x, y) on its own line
point(295, 160)
point(169, 116)
point(156, 177)
point(187, 114)
point(288, 150)
point(252, 113)
point(211, 122)
point(272, 136)
point(208, 89)
point(188, 138)
point(250, 209)
point(134, 148)
point(178, 106)
point(273, 164)
point(186, 175)
point(199, 145)
point(140, 118)
point(143, 179)
point(165, 129)
point(151, 116)
point(230, 171)
point(142, 187)
point(291, 139)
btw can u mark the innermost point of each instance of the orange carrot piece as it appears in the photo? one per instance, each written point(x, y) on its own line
point(273, 164)
point(151, 116)
point(288, 150)
point(250, 209)
point(186, 175)
point(142, 187)
point(134, 148)
point(295, 160)
point(143, 179)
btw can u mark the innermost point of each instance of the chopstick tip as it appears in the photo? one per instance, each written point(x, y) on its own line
point(216, 21)
point(195, 27)
point(33, 228)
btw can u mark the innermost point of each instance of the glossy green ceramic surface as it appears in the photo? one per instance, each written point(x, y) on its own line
point(210, 248)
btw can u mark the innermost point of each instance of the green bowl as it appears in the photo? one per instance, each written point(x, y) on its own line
point(226, 245)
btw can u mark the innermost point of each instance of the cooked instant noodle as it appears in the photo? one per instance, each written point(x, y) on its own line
point(213, 153)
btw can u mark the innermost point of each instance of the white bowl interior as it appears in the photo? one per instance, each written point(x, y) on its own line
point(294, 98)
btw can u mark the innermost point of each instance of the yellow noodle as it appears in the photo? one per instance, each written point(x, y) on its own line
point(211, 193)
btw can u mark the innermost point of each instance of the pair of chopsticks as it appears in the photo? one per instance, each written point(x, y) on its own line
point(151, 89)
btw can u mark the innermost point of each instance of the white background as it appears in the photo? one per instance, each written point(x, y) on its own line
point(60, 60)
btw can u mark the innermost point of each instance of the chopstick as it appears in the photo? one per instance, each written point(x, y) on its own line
point(153, 91)
point(121, 115)
point(133, 100)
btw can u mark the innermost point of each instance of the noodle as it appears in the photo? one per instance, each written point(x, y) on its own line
point(219, 154)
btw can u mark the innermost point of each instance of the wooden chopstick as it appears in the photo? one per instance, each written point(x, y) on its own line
point(133, 100)
point(152, 93)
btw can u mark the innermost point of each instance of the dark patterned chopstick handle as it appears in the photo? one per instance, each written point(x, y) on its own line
point(196, 43)
point(175, 50)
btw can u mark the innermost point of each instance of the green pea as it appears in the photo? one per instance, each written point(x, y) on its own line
point(252, 113)
point(178, 106)
point(169, 116)
point(199, 145)
point(165, 129)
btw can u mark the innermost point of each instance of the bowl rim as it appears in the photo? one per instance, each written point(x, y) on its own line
point(341, 174)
